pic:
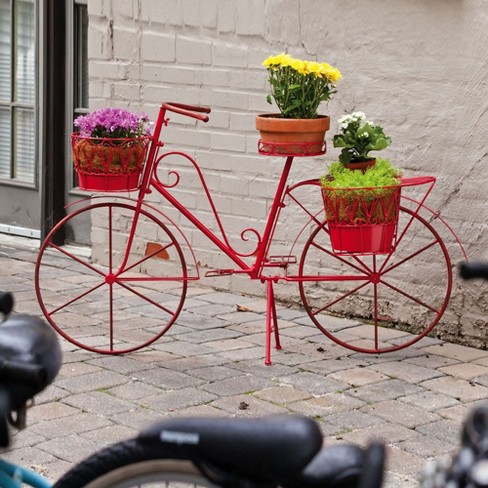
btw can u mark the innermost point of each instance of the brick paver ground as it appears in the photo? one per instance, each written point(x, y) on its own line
point(211, 363)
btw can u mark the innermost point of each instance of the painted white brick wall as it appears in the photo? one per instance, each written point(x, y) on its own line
point(417, 67)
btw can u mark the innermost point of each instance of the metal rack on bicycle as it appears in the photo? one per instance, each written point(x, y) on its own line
point(131, 289)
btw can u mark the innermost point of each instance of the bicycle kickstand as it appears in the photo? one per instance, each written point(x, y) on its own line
point(271, 323)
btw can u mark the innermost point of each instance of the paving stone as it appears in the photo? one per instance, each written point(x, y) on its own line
point(411, 372)
point(173, 400)
point(134, 390)
point(353, 419)
point(431, 361)
point(98, 402)
point(248, 406)
point(466, 371)
point(435, 448)
point(315, 383)
point(358, 376)
point(92, 381)
point(446, 430)
point(384, 390)
point(282, 395)
point(456, 351)
point(430, 400)
point(398, 412)
point(235, 386)
point(387, 433)
point(72, 448)
point(74, 424)
point(462, 390)
point(166, 379)
point(326, 405)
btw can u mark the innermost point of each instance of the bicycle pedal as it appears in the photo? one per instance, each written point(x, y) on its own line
point(218, 272)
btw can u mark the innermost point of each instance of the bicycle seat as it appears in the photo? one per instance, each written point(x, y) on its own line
point(271, 448)
point(29, 341)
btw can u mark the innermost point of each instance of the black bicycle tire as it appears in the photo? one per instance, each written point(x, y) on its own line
point(117, 460)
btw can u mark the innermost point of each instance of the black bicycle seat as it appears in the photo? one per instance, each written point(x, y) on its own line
point(270, 448)
point(29, 341)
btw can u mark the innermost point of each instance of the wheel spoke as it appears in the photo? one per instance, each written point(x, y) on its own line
point(75, 299)
point(75, 258)
point(145, 258)
point(145, 298)
point(408, 258)
point(410, 297)
point(339, 299)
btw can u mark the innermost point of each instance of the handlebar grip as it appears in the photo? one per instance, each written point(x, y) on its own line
point(30, 374)
point(469, 270)
point(6, 303)
point(193, 111)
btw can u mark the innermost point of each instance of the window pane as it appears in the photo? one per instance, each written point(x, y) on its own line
point(24, 128)
point(5, 131)
point(81, 56)
point(5, 56)
point(25, 51)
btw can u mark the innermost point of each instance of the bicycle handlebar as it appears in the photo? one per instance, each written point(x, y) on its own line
point(193, 111)
point(473, 269)
point(28, 374)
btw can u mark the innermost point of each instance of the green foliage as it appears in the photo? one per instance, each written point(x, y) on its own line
point(380, 175)
point(358, 137)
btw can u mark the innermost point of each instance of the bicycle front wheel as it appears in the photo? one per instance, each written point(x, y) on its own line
point(131, 465)
point(400, 296)
point(111, 298)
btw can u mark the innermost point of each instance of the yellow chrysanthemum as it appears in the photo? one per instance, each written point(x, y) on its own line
point(282, 59)
point(333, 74)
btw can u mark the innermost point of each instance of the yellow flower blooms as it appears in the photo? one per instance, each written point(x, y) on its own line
point(277, 61)
point(298, 86)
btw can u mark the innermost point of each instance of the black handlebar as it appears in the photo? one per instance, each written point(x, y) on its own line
point(25, 373)
point(473, 269)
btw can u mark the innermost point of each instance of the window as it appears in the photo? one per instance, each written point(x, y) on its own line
point(77, 75)
point(18, 90)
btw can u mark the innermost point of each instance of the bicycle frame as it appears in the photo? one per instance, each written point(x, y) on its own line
point(151, 180)
point(14, 476)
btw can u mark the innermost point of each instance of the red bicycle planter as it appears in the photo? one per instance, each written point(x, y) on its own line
point(132, 287)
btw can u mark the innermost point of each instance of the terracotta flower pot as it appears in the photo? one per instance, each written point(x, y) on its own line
point(361, 165)
point(296, 137)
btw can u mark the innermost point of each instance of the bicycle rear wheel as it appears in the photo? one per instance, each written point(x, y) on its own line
point(131, 465)
point(110, 302)
point(400, 295)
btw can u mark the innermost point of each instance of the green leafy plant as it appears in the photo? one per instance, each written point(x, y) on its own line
point(358, 137)
point(357, 197)
point(383, 173)
point(298, 87)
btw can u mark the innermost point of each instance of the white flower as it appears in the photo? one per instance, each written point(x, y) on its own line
point(364, 135)
point(358, 116)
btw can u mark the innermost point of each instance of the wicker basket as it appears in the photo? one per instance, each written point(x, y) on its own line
point(106, 164)
point(362, 220)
